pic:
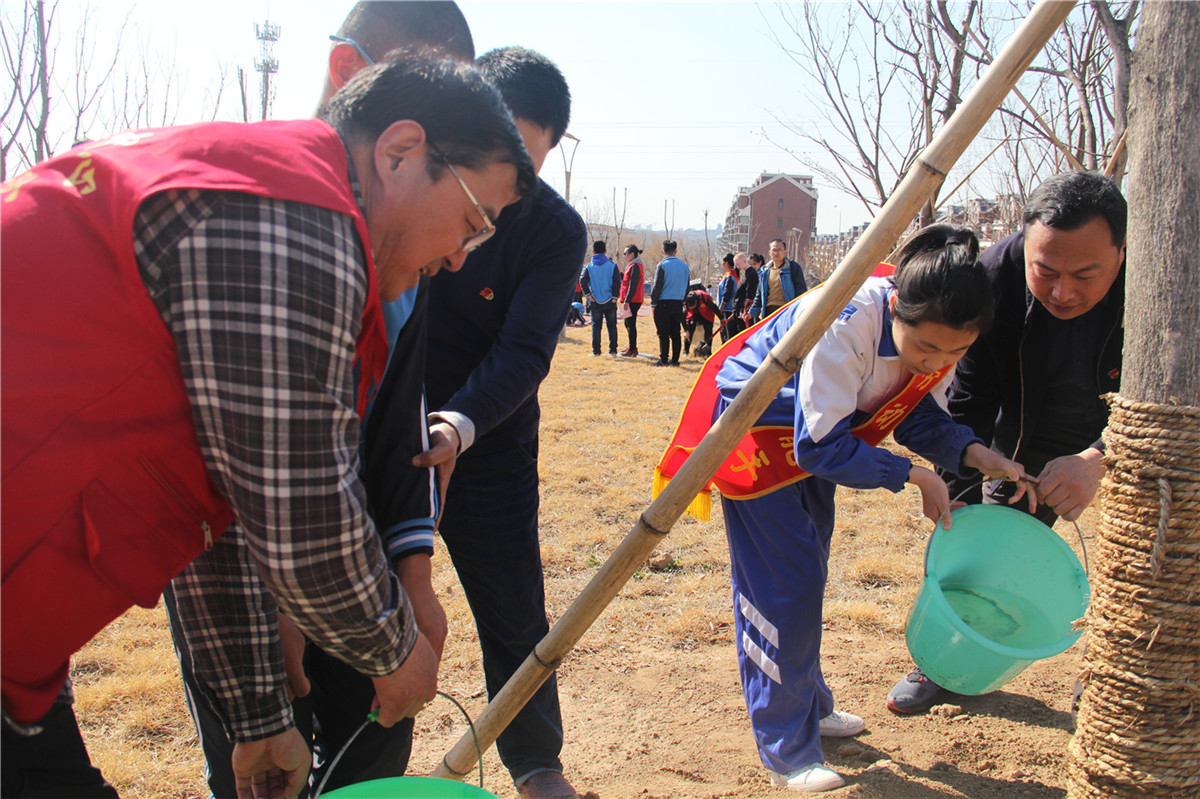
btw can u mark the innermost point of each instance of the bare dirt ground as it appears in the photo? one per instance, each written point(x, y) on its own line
point(651, 700)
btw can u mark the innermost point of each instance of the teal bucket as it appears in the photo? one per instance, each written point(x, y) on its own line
point(1001, 591)
point(409, 788)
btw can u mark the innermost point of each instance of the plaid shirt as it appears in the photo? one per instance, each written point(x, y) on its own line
point(264, 299)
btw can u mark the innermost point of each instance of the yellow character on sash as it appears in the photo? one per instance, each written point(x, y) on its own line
point(751, 465)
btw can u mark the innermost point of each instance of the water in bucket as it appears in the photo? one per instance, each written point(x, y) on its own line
point(1001, 591)
point(1000, 616)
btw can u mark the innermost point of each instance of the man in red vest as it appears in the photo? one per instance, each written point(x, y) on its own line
point(190, 322)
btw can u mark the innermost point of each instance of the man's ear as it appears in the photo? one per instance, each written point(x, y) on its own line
point(401, 144)
point(344, 64)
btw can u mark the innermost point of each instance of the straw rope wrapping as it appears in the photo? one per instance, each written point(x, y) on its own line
point(1138, 729)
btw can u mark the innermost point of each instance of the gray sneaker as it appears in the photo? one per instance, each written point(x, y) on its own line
point(915, 694)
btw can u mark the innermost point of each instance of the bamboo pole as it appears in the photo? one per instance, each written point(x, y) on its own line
point(784, 359)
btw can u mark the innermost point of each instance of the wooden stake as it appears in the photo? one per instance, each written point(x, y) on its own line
point(784, 360)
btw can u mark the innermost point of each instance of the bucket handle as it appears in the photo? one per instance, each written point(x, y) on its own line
point(938, 525)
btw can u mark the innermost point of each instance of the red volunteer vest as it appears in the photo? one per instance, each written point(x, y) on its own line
point(634, 291)
point(105, 493)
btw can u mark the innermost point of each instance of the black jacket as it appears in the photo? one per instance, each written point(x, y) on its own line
point(1001, 383)
point(747, 290)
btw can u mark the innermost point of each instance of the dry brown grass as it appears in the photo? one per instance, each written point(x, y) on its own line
point(604, 424)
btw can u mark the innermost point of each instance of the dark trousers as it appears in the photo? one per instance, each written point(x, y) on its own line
point(668, 316)
point(631, 324)
point(604, 312)
point(337, 705)
point(53, 763)
point(489, 527)
point(689, 329)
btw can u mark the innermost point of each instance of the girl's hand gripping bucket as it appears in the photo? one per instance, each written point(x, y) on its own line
point(1001, 591)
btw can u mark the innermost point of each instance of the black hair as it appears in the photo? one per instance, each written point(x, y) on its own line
point(727, 258)
point(465, 120)
point(1070, 200)
point(599, 247)
point(939, 279)
point(633, 250)
point(382, 25)
point(533, 87)
point(781, 241)
point(756, 258)
point(669, 246)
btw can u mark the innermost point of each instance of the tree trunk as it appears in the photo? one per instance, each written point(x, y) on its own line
point(1137, 732)
point(1162, 356)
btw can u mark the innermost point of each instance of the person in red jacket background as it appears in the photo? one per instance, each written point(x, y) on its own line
point(700, 309)
point(633, 287)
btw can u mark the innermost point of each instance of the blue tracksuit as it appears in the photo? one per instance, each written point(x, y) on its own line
point(779, 543)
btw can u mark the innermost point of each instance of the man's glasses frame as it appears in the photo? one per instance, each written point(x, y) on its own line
point(354, 44)
point(484, 233)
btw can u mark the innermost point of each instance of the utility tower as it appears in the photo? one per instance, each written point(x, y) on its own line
point(266, 63)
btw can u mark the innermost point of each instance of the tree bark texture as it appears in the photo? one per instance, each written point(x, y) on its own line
point(1138, 727)
point(1162, 333)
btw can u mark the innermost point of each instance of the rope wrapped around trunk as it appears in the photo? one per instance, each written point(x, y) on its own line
point(1138, 728)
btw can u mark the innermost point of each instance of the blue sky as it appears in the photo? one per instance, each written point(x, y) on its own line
point(673, 102)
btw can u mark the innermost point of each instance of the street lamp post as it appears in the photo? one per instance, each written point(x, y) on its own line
point(567, 165)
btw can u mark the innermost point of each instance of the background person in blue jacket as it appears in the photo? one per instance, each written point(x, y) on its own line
point(670, 287)
point(601, 281)
point(492, 335)
point(918, 323)
point(726, 294)
point(779, 282)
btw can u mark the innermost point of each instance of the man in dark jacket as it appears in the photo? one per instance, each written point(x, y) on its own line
point(492, 335)
point(1033, 385)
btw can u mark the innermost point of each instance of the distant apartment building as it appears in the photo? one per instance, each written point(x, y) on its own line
point(776, 206)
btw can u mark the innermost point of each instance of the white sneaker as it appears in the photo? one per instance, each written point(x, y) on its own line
point(812, 778)
point(840, 724)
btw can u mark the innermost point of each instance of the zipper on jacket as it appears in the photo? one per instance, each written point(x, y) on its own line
point(1021, 374)
point(180, 500)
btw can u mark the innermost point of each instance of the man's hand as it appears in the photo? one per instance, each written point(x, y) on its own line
point(293, 657)
point(995, 465)
point(1068, 484)
point(407, 690)
point(444, 443)
point(416, 577)
point(274, 768)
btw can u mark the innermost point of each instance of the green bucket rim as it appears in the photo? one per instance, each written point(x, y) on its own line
point(938, 597)
point(408, 782)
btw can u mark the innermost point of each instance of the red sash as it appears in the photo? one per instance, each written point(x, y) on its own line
point(764, 460)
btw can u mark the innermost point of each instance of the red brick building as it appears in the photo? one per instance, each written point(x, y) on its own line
point(777, 206)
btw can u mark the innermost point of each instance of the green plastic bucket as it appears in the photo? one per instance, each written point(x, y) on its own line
point(1001, 591)
point(409, 788)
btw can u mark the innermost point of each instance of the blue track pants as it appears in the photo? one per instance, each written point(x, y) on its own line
point(779, 553)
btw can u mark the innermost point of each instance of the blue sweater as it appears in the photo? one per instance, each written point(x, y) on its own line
point(601, 279)
point(671, 280)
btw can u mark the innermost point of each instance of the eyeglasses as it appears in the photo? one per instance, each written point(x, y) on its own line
point(354, 44)
point(484, 233)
